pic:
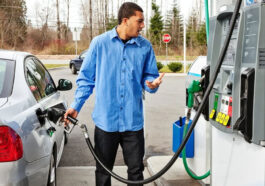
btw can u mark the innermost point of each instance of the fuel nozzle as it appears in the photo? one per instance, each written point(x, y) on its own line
point(54, 114)
point(193, 88)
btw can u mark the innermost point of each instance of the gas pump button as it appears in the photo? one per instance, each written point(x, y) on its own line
point(226, 120)
point(218, 117)
point(222, 118)
point(212, 114)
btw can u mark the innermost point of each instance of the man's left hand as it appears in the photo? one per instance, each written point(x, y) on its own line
point(154, 84)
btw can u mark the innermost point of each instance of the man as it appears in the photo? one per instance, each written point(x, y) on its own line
point(119, 64)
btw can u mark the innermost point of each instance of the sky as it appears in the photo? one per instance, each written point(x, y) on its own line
point(34, 7)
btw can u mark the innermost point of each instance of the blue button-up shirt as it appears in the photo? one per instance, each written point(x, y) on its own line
point(118, 72)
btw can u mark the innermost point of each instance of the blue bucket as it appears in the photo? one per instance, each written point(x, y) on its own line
point(178, 135)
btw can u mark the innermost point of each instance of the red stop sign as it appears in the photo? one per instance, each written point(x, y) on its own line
point(166, 38)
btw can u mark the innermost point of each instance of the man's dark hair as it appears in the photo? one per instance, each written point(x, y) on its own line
point(127, 10)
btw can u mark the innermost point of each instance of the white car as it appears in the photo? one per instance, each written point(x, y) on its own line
point(30, 144)
point(194, 72)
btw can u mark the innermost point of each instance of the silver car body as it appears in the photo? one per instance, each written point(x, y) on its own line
point(18, 111)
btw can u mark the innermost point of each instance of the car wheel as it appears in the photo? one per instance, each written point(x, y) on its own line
point(52, 172)
point(73, 69)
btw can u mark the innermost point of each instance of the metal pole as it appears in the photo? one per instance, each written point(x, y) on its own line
point(75, 47)
point(166, 51)
point(75, 41)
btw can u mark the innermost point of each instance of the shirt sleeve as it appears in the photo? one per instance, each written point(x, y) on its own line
point(86, 79)
point(150, 72)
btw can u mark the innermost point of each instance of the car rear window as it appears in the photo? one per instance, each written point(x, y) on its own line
point(7, 68)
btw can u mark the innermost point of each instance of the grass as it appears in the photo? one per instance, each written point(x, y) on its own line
point(176, 58)
point(165, 69)
point(49, 66)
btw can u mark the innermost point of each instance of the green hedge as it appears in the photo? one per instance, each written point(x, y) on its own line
point(159, 65)
point(175, 67)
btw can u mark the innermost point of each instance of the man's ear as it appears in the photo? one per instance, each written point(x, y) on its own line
point(125, 21)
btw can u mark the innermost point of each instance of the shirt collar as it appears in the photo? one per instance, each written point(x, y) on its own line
point(135, 40)
point(113, 34)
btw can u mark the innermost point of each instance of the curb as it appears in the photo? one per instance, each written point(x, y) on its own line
point(56, 68)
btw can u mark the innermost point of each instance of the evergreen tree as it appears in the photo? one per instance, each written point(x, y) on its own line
point(156, 26)
point(174, 26)
point(192, 28)
point(112, 23)
point(201, 39)
point(201, 35)
point(13, 27)
point(196, 35)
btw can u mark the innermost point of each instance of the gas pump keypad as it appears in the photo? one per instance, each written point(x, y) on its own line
point(225, 105)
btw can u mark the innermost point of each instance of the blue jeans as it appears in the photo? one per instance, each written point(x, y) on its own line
point(106, 146)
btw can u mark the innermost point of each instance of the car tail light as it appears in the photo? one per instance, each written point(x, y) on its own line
point(11, 148)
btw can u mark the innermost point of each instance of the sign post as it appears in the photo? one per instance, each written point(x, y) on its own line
point(166, 39)
point(76, 37)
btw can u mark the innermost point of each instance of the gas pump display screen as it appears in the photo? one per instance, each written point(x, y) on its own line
point(231, 51)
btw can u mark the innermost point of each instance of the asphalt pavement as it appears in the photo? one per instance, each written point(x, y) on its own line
point(161, 111)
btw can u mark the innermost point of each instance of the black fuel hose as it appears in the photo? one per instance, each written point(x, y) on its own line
point(195, 119)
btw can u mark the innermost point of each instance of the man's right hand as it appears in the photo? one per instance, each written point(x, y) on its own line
point(71, 112)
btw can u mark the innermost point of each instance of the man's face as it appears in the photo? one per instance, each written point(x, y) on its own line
point(135, 24)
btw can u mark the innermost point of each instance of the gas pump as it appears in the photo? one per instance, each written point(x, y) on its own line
point(237, 100)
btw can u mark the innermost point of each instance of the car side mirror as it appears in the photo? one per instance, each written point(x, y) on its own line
point(64, 84)
point(49, 89)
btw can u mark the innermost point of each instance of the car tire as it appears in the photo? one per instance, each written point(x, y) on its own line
point(52, 172)
point(73, 69)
